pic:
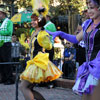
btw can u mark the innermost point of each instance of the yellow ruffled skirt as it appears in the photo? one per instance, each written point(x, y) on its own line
point(40, 69)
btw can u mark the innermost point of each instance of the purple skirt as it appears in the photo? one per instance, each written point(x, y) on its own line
point(87, 76)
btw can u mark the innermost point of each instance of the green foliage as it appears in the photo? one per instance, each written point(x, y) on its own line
point(23, 3)
point(8, 1)
point(75, 6)
point(55, 12)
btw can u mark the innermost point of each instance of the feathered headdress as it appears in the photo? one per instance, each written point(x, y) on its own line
point(40, 6)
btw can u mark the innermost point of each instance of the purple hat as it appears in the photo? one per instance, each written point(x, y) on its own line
point(97, 2)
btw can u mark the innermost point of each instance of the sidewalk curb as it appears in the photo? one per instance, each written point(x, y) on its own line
point(65, 83)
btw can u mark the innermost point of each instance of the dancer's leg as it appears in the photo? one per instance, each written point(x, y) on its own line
point(86, 97)
point(24, 87)
point(96, 93)
point(37, 95)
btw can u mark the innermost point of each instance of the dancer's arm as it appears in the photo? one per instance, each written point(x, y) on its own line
point(72, 38)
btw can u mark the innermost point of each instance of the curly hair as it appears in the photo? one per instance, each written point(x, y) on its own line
point(41, 20)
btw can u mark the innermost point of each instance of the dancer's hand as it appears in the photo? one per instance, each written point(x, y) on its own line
point(54, 34)
point(68, 37)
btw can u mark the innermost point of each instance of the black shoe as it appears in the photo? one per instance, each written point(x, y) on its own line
point(2, 82)
point(9, 82)
point(50, 86)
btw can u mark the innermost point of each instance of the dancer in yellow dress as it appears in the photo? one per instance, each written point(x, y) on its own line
point(39, 68)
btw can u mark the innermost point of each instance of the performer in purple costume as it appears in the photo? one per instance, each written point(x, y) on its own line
point(88, 73)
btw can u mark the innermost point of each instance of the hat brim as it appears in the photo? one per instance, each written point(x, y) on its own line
point(3, 12)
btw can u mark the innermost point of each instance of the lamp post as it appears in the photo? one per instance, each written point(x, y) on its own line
point(12, 8)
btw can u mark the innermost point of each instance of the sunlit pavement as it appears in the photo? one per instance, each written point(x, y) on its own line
point(8, 92)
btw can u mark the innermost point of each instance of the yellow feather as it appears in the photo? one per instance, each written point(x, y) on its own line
point(22, 41)
point(36, 4)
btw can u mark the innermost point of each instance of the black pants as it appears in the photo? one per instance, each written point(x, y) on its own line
point(5, 56)
point(68, 70)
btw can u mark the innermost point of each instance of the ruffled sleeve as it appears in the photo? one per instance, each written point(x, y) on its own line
point(43, 39)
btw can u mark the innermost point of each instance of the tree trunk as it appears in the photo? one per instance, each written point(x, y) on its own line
point(72, 23)
point(69, 22)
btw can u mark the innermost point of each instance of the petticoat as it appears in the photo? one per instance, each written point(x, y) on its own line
point(40, 69)
point(85, 86)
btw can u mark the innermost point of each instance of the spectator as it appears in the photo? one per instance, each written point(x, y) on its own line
point(6, 30)
point(69, 61)
point(17, 51)
point(50, 26)
point(57, 56)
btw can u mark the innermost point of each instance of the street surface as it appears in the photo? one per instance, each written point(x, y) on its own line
point(8, 92)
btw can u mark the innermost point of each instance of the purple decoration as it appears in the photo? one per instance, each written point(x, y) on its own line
point(92, 67)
